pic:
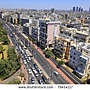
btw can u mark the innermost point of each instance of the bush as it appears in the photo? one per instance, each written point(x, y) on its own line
point(61, 62)
point(15, 81)
point(49, 53)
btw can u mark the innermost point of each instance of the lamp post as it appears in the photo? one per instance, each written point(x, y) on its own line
point(50, 73)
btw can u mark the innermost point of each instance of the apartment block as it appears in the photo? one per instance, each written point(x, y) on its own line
point(27, 29)
point(80, 59)
point(47, 33)
point(35, 30)
point(62, 47)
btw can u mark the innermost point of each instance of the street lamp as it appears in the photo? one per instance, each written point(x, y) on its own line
point(50, 73)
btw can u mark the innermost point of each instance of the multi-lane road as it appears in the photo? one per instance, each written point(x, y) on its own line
point(41, 60)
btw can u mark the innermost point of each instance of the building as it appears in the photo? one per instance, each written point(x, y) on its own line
point(62, 47)
point(27, 29)
point(48, 31)
point(53, 10)
point(74, 9)
point(80, 59)
point(35, 30)
point(67, 32)
point(82, 36)
point(77, 8)
point(74, 56)
point(83, 68)
point(25, 20)
point(2, 14)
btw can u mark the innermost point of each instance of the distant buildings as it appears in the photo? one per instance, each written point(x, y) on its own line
point(77, 9)
point(74, 9)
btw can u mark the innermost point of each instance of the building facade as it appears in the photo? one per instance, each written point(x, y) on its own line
point(47, 33)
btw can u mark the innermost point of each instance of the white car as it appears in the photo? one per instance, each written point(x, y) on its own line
point(25, 62)
point(29, 58)
point(28, 61)
point(39, 70)
point(29, 71)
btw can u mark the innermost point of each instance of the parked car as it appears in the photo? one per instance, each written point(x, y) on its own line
point(32, 80)
point(36, 73)
point(35, 65)
point(44, 79)
point(32, 68)
point(29, 71)
point(40, 81)
point(39, 70)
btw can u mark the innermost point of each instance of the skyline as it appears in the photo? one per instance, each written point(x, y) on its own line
point(46, 4)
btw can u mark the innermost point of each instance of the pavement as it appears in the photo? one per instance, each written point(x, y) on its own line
point(24, 70)
point(11, 77)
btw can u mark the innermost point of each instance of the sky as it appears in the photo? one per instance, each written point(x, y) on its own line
point(45, 4)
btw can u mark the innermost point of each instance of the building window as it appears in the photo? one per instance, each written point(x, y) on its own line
point(73, 62)
point(70, 56)
point(74, 58)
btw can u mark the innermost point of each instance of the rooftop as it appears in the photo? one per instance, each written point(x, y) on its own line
point(82, 32)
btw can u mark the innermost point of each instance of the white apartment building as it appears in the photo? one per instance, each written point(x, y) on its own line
point(80, 59)
point(27, 29)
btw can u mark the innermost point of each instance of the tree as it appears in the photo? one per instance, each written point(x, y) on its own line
point(60, 63)
point(1, 51)
point(5, 39)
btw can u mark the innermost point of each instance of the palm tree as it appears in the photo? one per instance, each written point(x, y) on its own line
point(1, 51)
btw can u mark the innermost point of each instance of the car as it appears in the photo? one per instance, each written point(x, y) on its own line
point(40, 81)
point(32, 68)
point(28, 61)
point(28, 55)
point(44, 79)
point(29, 71)
point(32, 80)
point(39, 70)
point(29, 58)
point(35, 65)
point(36, 73)
point(56, 73)
point(25, 62)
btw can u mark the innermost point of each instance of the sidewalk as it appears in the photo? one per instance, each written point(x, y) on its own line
point(11, 77)
point(10, 41)
point(23, 70)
